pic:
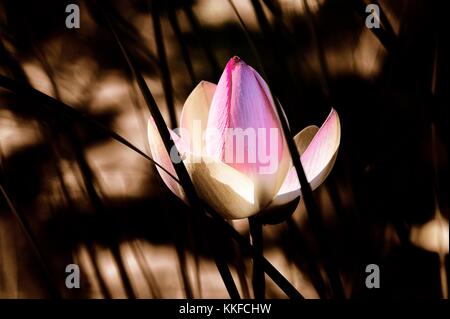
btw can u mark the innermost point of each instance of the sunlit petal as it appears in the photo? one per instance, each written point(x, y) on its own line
point(194, 116)
point(228, 191)
point(161, 156)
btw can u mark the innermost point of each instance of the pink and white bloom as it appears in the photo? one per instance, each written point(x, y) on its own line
point(243, 175)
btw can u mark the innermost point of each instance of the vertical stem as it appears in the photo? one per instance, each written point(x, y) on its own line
point(168, 90)
point(239, 263)
point(226, 276)
point(179, 221)
point(143, 264)
point(385, 35)
point(162, 58)
point(97, 204)
point(214, 233)
point(181, 253)
point(384, 20)
point(317, 44)
point(52, 286)
point(300, 246)
point(103, 287)
point(203, 41)
point(258, 276)
point(184, 49)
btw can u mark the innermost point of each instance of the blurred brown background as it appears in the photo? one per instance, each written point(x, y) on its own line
point(72, 194)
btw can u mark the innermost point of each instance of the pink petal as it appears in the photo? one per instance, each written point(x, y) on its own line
point(160, 155)
point(194, 116)
point(317, 160)
point(243, 101)
point(322, 150)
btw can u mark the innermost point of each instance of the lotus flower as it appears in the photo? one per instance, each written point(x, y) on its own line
point(232, 144)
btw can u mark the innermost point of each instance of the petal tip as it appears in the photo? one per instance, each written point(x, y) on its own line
point(235, 61)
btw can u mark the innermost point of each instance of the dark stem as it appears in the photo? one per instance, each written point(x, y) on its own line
point(317, 44)
point(203, 41)
point(223, 268)
point(258, 276)
point(52, 286)
point(385, 21)
point(181, 253)
point(149, 276)
point(246, 247)
point(66, 111)
point(295, 238)
point(227, 278)
point(184, 49)
point(240, 266)
point(179, 220)
point(385, 35)
point(164, 66)
point(89, 182)
point(103, 288)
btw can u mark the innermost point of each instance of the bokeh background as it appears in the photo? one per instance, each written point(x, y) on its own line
point(70, 193)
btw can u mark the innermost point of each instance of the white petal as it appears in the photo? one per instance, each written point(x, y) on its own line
point(160, 155)
point(194, 116)
point(228, 191)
